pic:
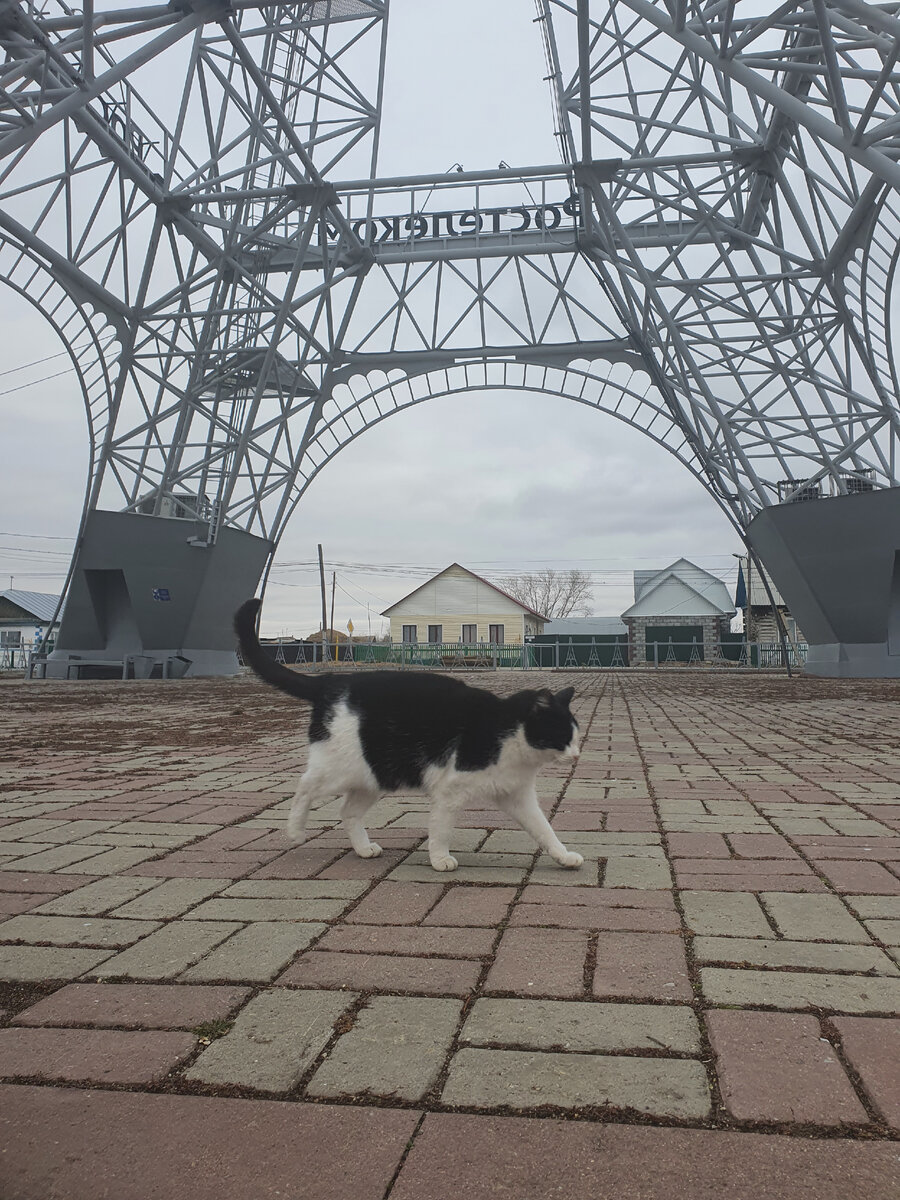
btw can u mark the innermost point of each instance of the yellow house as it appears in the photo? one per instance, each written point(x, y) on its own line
point(458, 606)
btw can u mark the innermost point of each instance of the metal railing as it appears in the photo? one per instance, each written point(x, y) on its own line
point(593, 654)
point(18, 658)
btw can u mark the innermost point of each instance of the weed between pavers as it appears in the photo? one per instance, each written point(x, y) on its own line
point(209, 1031)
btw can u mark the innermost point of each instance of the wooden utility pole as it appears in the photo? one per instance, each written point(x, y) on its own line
point(331, 622)
point(324, 608)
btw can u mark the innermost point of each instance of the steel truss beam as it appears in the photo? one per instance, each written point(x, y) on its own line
point(190, 192)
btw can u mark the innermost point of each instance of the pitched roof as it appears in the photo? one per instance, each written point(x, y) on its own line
point(672, 596)
point(707, 585)
point(40, 605)
point(387, 612)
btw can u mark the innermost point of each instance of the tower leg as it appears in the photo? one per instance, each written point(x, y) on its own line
point(149, 597)
point(836, 562)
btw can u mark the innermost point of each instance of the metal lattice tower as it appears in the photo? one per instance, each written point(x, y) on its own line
point(189, 193)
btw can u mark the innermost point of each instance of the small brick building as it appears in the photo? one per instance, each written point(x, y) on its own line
point(682, 604)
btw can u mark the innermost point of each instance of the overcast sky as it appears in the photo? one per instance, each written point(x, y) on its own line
point(500, 482)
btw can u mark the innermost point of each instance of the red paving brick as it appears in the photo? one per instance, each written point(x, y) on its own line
point(396, 904)
point(35, 881)
point(12, 903)
point(761, 845)
point(643, 966)
point(540, 962)
point(93, 1055)
point(872, 1048)
point(698, 845)
point(348, 865)
point(777, 1067)
point(464, 905)
point(584, 916)
point(137, 1005)
point(64, 1144)
point(511, 1158)
point(300, 863)
point(858, 878)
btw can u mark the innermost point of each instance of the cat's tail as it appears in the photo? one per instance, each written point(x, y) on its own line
point(306, 687)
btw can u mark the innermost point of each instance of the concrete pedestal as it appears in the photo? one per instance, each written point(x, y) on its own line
point(836, 562)
point(142, 589)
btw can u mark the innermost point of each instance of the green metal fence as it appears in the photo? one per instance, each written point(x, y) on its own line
point(547, 653)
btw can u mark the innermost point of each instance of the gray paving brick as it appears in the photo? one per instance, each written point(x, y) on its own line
point(255, 954)
point(268, 910)
point(52, 860)
point(725, 914)
point(111, 862)
point(169, 951)
point(171, 898)
point(396, 1049)
point(523, 1079)
point(74, 931)
point(425, 874)
point(39, 964)
point(875, 906)
point(636, 873)
point(94, 899)
point(296, 889)
point(886, 931)
point(588, 1027)
point(799, 990)
point(813, 918)
point(814, 956)
point(275, 1038)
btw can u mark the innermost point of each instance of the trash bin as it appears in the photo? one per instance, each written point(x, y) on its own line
point(177, 666)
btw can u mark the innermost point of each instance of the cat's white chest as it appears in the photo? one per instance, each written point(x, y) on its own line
point(341, 754)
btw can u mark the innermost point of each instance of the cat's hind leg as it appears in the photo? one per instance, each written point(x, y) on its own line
point(356, 805)
point(309, 789)
point(525, 809)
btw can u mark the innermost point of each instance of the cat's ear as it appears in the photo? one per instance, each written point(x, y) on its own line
point(544, 698)
point(565, 696)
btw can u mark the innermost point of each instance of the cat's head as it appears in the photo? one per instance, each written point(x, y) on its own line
point(549, 725)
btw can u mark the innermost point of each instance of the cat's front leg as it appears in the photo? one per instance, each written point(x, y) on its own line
point(526, 810)
point(355, 805)
point(441, 823)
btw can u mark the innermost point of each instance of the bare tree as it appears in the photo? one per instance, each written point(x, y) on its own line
point(552, 593)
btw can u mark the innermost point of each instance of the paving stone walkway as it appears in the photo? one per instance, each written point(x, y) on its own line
point(709, 1007)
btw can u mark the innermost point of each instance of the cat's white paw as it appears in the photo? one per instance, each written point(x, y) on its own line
point(296, 833)
point(444, 862)
point(370, 851)
point(571, 858)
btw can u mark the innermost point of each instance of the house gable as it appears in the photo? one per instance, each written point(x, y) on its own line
point(673, 599)
point(694, 577)
point(458, 591)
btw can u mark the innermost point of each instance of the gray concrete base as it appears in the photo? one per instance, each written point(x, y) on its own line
point(847, 661)
point(149, 590)
point(836, 562)
point(63, 664)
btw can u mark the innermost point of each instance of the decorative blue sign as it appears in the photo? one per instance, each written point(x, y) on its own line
point(161, 594)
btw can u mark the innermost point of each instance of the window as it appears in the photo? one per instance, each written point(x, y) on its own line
point(410, 633)
point(469, 635)
point(11, 637)
point(496, 634)
point(435, 634)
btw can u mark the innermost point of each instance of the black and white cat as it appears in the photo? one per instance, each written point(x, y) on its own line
point(397, 731)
